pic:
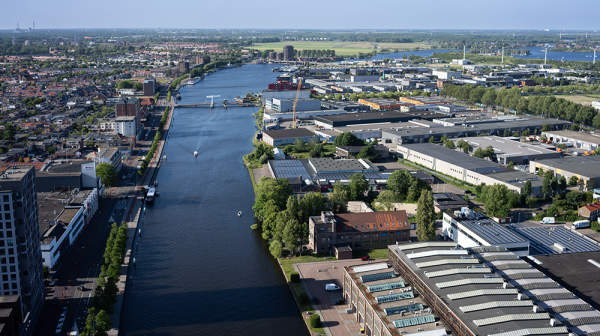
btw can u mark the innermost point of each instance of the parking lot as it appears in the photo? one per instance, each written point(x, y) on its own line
point(314, 278)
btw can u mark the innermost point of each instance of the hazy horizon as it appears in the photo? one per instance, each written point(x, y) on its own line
point(466, 15)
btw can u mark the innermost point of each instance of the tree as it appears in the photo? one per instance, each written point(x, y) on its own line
point(554, 183)
point(292, 234)
point(531, 201)
point(546, 185)
point(46, 272)
point(21, 159)
point(399, 182)
point(425, 216)
point(573, 180)
point(562, 182)
point(450, 144)
point(479, 153)
point(107, 174)
point(527, 188)
point(386, 200)
point(347, 139)
point(431, 139)
point(276, 248)
point(368, 152)
point(103, 323)
point(546, 128)
point(89, 143)
point(299, 145)
point(358, 185)
point(511, 164)
point(338, 199)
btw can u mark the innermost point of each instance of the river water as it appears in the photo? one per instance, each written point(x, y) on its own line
point(200, 269)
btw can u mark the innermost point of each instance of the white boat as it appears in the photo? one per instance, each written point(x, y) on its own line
point(195, 153)
point(150, 196)
point(239, 214)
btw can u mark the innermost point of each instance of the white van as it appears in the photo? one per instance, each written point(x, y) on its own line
point(332, 287)
point(547, 220)
point(580, 224)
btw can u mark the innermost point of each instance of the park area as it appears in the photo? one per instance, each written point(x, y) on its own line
point(585, 99)
point(341, 48)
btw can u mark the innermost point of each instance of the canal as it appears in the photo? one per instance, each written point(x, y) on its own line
point(200, 269)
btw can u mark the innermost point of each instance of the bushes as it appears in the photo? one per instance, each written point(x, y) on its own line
point(314, 321)
point(295, 277)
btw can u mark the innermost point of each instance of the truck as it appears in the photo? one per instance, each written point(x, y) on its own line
point(580, 224)
point(547, 220)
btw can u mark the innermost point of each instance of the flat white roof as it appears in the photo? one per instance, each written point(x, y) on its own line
point(434, 332)
point(372, 267)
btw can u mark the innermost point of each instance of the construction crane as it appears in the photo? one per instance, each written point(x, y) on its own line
point(296, 102)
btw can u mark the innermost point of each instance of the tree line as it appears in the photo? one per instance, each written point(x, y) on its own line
point(98, 321)
point(314, 53)
point(513, 100)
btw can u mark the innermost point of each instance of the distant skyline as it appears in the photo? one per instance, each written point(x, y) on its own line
point(310, 14)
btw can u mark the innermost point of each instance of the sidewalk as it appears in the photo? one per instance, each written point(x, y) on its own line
point(136, 207)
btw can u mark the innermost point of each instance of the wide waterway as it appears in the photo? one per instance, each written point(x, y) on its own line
point(200, 269)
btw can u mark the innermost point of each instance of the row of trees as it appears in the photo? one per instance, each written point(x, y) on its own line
point(155, 142)
point(314, 53)
point(130, 84)
point(513, 100)
point(98, 321)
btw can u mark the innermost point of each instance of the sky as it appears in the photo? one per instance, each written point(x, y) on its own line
point(307, 14)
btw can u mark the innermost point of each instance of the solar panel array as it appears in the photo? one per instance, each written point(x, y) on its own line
point(408, 308)
point(436, 253)
point(411, 321)
point(511, 317)
point(500, 257)
point(425, 244)
point(463, 282)
point(534, 331)
point(446, 262)
point(538, 285)
point(394, 297)
point(509, 266)
point(378, 276)
point(525, 275)
point(554, 296)
point(496, 304)
point(543, 239)
point(289, 169)
point(488, 170)
point(481, 292)
point(458, 271)
point(385, 286)
point(491, 231)
point(568, 308)
point(583, 320)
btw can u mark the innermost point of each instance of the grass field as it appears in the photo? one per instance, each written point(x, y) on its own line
point(341, 48)
point(585, 99)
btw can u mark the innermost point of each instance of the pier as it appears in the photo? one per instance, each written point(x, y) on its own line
point(218, 105)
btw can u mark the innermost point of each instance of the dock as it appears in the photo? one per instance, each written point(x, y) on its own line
point(218, 105)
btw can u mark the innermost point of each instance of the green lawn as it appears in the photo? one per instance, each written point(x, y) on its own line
point(329, 150)
point(381, 253)
point(341, 48)
point(286, 264)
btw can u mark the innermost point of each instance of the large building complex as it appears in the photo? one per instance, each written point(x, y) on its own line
point(487, 290)
point(585, 168)
point(468, 168)
point(20, 253)
point(506, 151)
point(579, 140)
point(365, 230)
point(287, 136)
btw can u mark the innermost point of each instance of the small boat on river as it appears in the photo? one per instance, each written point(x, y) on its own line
point(239, 214)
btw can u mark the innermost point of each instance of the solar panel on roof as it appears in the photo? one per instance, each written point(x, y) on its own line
point(511, 317)
point(496, 304)
point(394, 297)
point(480, 292)
point(538, 285)
point(534, 331)
point(483, 249)
point(435, 253)
point(458, 271)
point(525, 275)
point(544, 238)
point(554, 296)
point(378, 276)
point(408, 308)
point(500, 257)
point(469, 282)
point(568, 308)
point(446, 262)
point(386, 286)
point(411, 321)
point(512, 265)
point(582, 321)
point(289, 169)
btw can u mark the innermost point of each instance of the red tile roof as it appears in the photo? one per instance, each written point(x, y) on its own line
point(373, 221)
point(593, 206)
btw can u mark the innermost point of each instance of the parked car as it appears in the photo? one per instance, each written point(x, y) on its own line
point(467, 191)
point(315, 300)
point(339, 302)
point(81, 288)
point(365, 258)
point(332, 287)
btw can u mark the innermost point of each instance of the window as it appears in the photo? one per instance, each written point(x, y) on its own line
point(322, 247)
point(14, 285)
point(329, 238)
point(323, 239)
point(384, 234)
point(388, 224)
point(357, 236)
point(12, 268)
point(3, 269)
point(5, 198)
point(375, 242)
point(340, 237)
point(392, 241)
point(366, 235)
point(398, 233)
point(366, 244)
point(357, 244)
point(5, 287)
point(393, 224)
point(349, 237)
point(5, 278)
point(7, 216)
point(380, 225)
point(375, 235)
point(6, 207)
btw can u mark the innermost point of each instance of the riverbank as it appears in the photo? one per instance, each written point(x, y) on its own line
point(134, 228)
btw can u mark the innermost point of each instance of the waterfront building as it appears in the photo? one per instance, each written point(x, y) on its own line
point(287, 136)
point(21, 257)
point(288, 53)
point(367, 230)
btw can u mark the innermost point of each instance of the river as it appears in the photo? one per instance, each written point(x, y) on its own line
point(201, 270)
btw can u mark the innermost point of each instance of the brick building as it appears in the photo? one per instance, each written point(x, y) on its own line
point(590, 211)
point(130, 107)
point(359, 230)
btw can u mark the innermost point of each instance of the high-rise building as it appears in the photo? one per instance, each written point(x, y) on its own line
point(272, 55)
point(184, 67)
point(288, 53)
point(20, 252)
point(149, 86)
point(130, 107)
point(280, 56)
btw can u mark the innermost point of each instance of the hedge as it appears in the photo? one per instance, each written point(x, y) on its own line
point(314, 321)
point(295, 277)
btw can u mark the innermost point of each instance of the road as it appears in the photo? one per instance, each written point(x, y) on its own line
point(81, 265)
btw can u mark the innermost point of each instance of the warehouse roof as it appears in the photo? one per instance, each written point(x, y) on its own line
point(490, 231)
point(474, 292)
point(289, 133)
point(544, 239)
point(586, 166)
point(587, 137)
point(506, 147)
